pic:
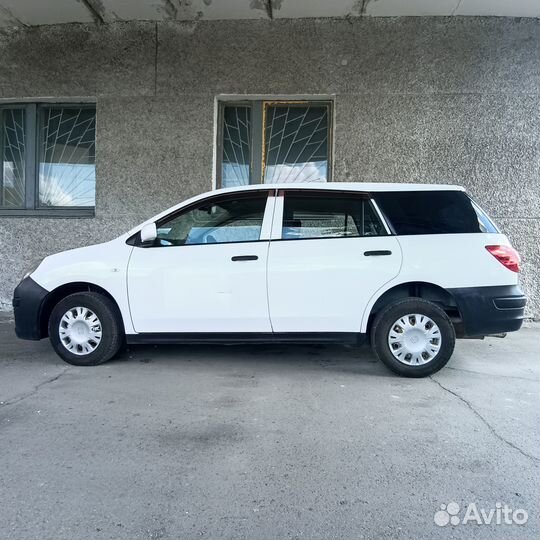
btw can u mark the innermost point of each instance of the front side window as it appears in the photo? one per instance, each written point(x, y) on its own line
point(274, 142)
point(223, 220)
point(328, 216)
point(47, 159)
point(432, 212)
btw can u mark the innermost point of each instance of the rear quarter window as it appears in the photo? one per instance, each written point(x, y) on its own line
point(433, 212)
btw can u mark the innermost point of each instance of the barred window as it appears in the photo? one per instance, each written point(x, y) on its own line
point(47, 159)
point(274, 142)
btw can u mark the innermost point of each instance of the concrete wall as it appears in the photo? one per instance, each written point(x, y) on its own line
point(416, 99)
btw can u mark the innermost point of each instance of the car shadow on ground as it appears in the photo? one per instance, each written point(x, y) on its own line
point(336, 357)
point(340, 358)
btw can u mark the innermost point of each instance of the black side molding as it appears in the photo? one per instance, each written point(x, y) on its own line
point(231, 338)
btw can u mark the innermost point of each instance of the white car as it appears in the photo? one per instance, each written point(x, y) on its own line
point(410, 267)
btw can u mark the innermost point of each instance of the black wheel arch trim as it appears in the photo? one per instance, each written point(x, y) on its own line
point(28, 300)
point(32, 305)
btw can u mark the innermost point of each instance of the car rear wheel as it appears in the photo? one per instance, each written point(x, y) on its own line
point(85, 329)
point(413, 337)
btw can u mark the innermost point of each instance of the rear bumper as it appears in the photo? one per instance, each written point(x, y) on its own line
point(490, 310)
point(28, 299)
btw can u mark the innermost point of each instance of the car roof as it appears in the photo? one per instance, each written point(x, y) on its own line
point(364, 187)
point(361, 187)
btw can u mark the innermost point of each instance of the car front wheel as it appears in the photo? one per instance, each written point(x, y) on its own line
point(413, 337)
point(85, 329)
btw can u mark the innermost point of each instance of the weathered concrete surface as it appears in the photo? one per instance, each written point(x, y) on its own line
point(170, 162)
point(77, 60)
point(416, 99)
point(275, 442)
point(402, 55)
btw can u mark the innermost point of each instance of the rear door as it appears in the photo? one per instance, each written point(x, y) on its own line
point(330, 252)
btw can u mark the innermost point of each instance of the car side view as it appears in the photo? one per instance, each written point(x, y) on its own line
point(408, 267)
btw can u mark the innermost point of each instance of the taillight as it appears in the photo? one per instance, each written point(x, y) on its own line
point(506, 255)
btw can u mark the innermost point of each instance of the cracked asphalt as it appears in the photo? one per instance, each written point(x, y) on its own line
point(266, 442)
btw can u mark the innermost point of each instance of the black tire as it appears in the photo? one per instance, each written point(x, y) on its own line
point(386, 318)
point(111, 328)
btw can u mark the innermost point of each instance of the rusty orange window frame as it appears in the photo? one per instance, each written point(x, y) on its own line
point(264, 104)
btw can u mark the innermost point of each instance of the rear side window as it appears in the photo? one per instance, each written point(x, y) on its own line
point(433, 212)
point(328, 216)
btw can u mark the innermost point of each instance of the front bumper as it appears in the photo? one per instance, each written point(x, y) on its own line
point(489, 310)
point(28, 299)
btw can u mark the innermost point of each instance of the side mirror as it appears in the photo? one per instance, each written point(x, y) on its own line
point(149, 232)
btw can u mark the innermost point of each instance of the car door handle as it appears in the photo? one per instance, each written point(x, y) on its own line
point(377, 253)
point(244, 258)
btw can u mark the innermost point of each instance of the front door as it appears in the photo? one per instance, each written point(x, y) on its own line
point(329, 254)
point(206, 271)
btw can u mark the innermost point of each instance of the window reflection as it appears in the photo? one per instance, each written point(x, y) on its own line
point(230, 220)
point(296, 143)
point(235, 163)
point(67, 157)
point(13, 157)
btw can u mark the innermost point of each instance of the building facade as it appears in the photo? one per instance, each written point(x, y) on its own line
point(105, 125)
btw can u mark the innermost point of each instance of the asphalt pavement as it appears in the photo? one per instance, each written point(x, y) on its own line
point(264, 442)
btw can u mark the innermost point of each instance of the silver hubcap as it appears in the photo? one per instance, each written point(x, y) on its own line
point(414, 339)
point(80, 331)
